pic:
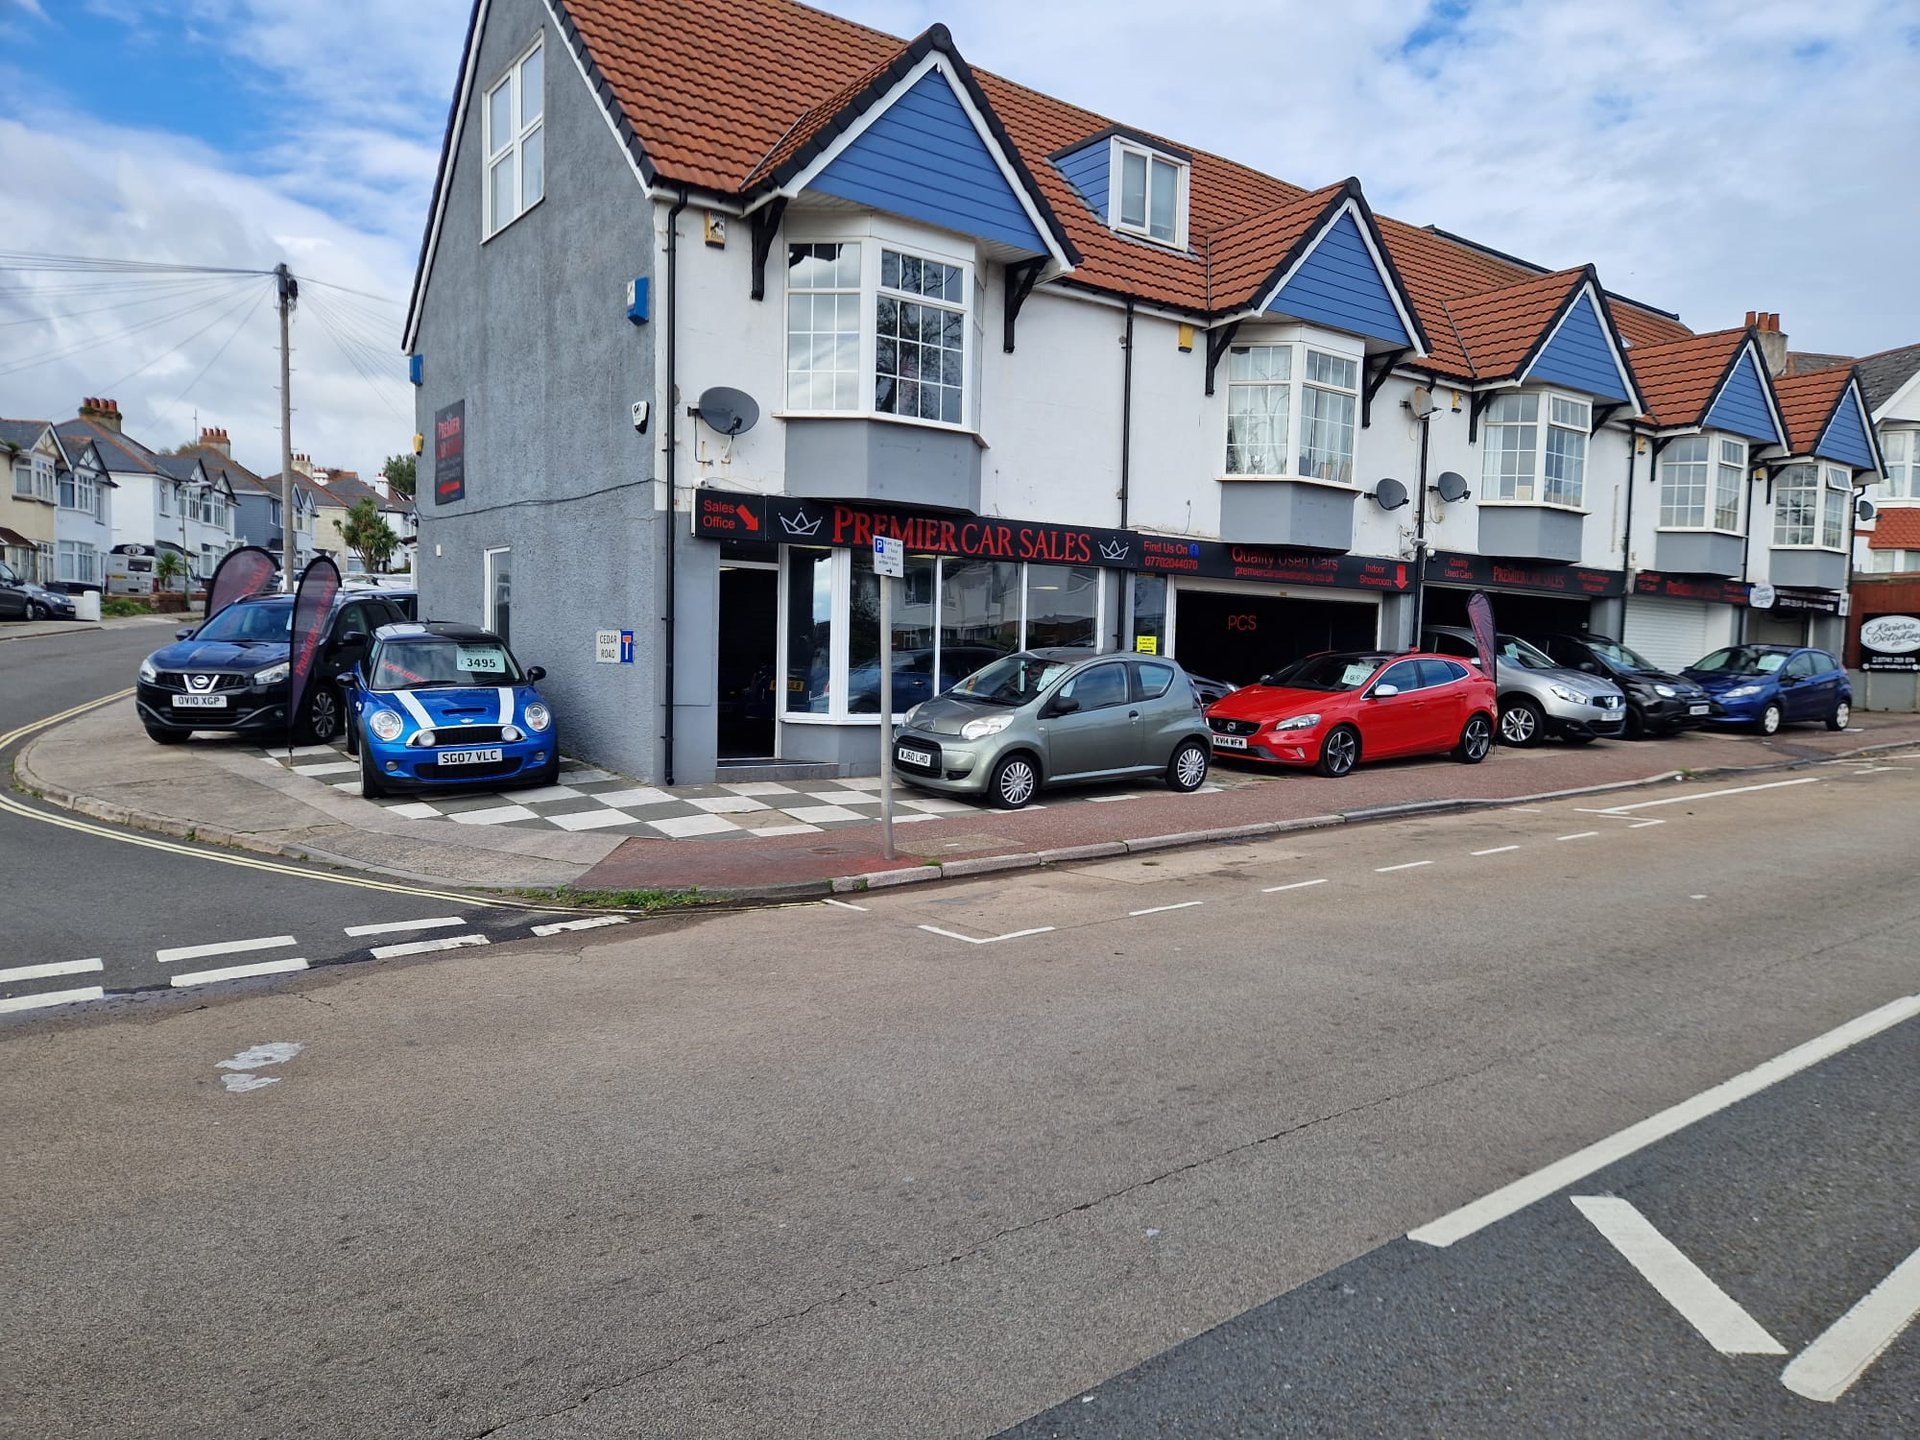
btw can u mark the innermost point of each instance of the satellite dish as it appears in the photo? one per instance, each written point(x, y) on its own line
point(1864, 509)
point(730, 411)
point(1388, 495)
point(1452, 486)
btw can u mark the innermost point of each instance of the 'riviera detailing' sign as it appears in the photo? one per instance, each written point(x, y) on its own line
point(1890, 642)
point(450, 453)
point(786, 520)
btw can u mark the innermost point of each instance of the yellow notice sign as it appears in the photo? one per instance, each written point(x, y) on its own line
point(1146, 644)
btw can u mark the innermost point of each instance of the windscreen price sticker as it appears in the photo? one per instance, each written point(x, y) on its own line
point(476, 659)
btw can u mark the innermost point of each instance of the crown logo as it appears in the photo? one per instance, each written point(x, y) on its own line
point(802, 524)
point(1114, 550)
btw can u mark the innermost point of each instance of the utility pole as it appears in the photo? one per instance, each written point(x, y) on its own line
point(289, 292)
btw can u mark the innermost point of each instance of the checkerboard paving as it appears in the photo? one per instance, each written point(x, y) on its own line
point(594, 801)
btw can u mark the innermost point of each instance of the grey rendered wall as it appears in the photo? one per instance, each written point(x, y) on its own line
point(530, 329)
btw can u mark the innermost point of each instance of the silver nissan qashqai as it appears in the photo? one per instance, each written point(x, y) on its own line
point(1056, 717)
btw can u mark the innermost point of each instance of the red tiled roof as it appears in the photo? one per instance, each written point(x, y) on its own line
point(1498, 329)
point(1896, 528)
point(1243, 256)
point(1678, 380)
point(820, 117)
point(1807, 403)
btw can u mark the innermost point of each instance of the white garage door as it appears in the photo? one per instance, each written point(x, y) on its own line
point(1675, 633)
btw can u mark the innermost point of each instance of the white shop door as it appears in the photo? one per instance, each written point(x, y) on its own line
point(1671, 633)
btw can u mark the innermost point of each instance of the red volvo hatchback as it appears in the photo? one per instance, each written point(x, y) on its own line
point(1332, 711)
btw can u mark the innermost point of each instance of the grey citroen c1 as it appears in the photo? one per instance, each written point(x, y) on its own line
point(1055, 717)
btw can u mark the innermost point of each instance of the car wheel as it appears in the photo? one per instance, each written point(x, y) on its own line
point(35, 610)
point(1339, 752)
point(1187, 771)
point(1636, 724)
point(1016, 780)
point(1476, 739)
point(323, 714)
point(1520, 723)
point(1769, 721)
point(370, 786)
point(352, 738)
point(1842, 714)
point(160, 735)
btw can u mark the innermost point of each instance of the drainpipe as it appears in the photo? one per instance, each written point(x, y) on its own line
point(1126, 416)
point(1626, 538)
point(672, 428)
point(1746, 554)
point(1420, 537)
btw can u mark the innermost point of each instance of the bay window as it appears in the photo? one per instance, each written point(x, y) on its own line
point(1702, 479)
point(1833, 510)
point(77, 563)
point(515, 142)
point(1262, 429)
point(1810, 505)
point(1515, 463)
point(876, 329)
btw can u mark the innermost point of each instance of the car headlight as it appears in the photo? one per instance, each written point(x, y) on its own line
point(147, 672)
point(1741, 692)
point(1665, 692)
point(386, 725)
point(538, 716)
point(987, 725)
point(1298, 722)
point(1572, 697)
point(272, 674)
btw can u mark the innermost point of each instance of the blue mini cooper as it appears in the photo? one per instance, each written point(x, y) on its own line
point(447, 704)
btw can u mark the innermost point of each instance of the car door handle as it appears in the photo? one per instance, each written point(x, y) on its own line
point(1133, 714)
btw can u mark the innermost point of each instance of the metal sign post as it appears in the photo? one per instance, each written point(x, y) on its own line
point(889, 564)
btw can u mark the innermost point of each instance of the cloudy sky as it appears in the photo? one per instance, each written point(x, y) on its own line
point(1710, 157)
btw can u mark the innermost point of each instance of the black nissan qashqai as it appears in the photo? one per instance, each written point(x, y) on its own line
point(231, 673)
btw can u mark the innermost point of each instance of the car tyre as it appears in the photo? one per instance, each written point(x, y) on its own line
point(1841, 717)
point(1339, 752)
point(1015, 781)
point(1476, 739)
point(352, 738)
point(1637, 724)
point(160, 735)
point(1520, 723)
point(322, 721)
point(36, 611)
point(370, 786)
point(1769, 721)
point(1187, 770)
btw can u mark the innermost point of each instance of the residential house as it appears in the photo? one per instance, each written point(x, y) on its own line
point(29, 498)
point(306, 512)
point(201, 499)
point(152, 509)
point(1889, 542)
point(83, 518)
point(1111, 390)
point(343, 490)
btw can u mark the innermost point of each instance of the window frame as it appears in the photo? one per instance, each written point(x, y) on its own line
point(1301, 347)
point(1119, 148)
point(1782, 488)
point(492, 152)
point(874, 239)
point(1540, 484)
point(1900, 449)
point(1714, 463)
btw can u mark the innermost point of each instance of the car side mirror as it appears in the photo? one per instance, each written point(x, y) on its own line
point(535, 674)
point(1065, 705)
point(1383, 691)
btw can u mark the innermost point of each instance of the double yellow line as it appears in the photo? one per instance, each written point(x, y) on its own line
point(245, 862)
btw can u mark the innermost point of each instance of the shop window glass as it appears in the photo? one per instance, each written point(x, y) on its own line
point(979, 610)
point(1150, 614)
point(913, 635)
point(1063, 605)
point(809, 628)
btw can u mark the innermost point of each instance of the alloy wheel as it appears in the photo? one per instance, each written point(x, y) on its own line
point(1016, 782)
point(323, 716)
point(1477, 740)
point(1519, 725)
point(1842, 716)
point(1190, 768)
point(1339, 751)
point(1770, 720)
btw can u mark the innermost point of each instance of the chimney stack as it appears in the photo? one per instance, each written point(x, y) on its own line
point(211, 439)
point(1773, 341)
point(102, 412)
point(303, 465)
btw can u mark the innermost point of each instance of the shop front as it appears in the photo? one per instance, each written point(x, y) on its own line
point(1796, 616)
point(1673, 620)
point(1527, 598)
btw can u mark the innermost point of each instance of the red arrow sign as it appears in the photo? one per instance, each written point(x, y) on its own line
point(747, 518)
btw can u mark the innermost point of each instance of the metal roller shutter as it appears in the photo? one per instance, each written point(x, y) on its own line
point(1671, 633)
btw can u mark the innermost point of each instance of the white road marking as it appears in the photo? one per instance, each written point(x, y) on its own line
point(1472, 1218)
point(391, 927)
point(425, 947)
point(1496, 850)
point(1410, 865)
point(1162, 909)
point(592, 922)
point(1580, 835)
point(225, 947)
point(51, 997)
point(48, 971)
point(1714, 794)
point(989, 940)
point(240, 972)
point(846, 905)
point(274, 1052)
point(1841, 1355)
point(1684, 1285)
point(1643, 824)
point(1696, 897)
point(240, 1084)
point(1296, 885)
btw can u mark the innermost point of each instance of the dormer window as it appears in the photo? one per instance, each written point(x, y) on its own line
point(1517, 467)
point(1149, 194)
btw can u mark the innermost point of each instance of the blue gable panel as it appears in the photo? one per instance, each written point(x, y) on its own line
point(1742, 406)
point(1845, 438)
point(924, 160)
point(1340, 287)
point(1089, 170)
point(1579, 356)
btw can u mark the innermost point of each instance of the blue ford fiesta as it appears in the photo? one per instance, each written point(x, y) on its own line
point(446, 704)
point(1762, 687)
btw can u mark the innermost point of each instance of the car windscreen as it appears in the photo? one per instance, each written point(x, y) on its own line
point(1740, 660)
point(250, 624)
point(424, 664)
point(1332, 673)
point(1012, 681)
point(1515, 651)
point(1618, 654)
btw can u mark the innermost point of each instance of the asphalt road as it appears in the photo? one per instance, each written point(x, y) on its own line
point(92, 908)
point(938, 1161)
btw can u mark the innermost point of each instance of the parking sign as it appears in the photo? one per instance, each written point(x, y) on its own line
point(889, 556)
